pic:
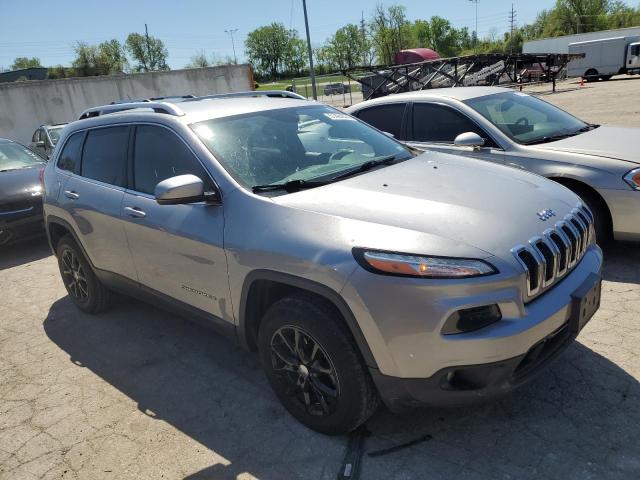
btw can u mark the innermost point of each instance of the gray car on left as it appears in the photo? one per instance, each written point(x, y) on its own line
point(20, 192)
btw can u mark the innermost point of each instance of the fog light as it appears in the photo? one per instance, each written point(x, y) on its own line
point(470, 319)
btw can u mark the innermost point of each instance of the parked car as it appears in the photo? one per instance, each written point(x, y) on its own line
point(336, 88)
point(357, 269)
point(20, 192)
point(45, 138)
point(599, 163)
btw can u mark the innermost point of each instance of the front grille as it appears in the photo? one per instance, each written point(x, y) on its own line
point(549, 257)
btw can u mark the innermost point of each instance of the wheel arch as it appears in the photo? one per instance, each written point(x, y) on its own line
point(262, 288)
point(580, 188)
point(56, 228)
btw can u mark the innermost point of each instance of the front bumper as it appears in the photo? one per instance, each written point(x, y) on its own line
point(468, 384)
point(21, 224)
point(624, 206)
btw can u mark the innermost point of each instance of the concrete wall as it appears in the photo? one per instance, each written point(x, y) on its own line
point(26, 105)
point(561, 44)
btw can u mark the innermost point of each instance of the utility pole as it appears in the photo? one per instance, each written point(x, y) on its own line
point(475, 36)
point(512, 22)
point(364, 39)
point(311, 72)
point(233, 45)
point(146, 34)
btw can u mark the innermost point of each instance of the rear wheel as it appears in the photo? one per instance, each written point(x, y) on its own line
point(605, 78)
point(313, 365)
point(591, 75)
point(83, 287)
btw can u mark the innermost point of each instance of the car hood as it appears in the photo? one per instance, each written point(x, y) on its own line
point(611, 142)
point(487, 206)
point(16, 185)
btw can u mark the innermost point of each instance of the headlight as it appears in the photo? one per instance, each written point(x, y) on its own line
point(633, 178)
point(407, 265)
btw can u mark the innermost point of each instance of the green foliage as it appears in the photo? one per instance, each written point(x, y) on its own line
point(199, 60)
point(346, 48)
point(390, 32)
point(273, 51)
point(149, 53)
point(104, 59)
point(58, 72)
point(24, 62)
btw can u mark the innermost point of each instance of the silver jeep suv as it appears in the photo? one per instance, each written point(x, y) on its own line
point(358, 269)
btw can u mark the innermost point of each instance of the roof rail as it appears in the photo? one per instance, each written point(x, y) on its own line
point(252, 93)
point(158, 107)
point(172, 97)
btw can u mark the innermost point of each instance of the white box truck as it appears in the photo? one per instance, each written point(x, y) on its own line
point(605, 57)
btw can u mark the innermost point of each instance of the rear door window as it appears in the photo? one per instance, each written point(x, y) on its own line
point(441, 124)
point(387, 118)
point(104, 157)
point(70, 157)
point(160, 154)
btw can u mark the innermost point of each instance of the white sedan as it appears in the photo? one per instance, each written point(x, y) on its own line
point(601, 164)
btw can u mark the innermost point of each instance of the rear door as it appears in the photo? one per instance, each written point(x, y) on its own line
point(389, 118)
point(177, 249)
point(434, 126)
point(93, 194)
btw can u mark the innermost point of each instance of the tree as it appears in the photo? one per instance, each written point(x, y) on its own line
point(199, 60)
point(57, 72)
point(269, 48)
point(439, 35)
point(104, 59)
point(347, 47)
point(149, 52)
point(390, 31)
point(296, 57)
point(24, 62)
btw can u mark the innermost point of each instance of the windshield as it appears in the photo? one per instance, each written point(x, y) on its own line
point(294, 144)
point(14, 157)
point(54, 134)
point(524, 118)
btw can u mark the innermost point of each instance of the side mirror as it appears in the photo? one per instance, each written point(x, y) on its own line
point(180, 189)
point(469, 139)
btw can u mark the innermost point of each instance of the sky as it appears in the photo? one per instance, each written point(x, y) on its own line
point(49, 29)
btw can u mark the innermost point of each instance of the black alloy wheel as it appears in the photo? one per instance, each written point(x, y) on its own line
point(305, 370)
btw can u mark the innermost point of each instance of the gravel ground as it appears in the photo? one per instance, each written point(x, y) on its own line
point(139, 393)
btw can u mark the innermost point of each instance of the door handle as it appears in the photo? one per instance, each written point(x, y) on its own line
point(71, 194)
point(135, 212)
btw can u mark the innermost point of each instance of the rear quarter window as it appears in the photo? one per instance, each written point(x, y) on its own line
point(69, 159)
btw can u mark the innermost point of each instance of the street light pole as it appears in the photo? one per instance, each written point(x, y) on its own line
point(475, 36)
point(233, 45)
point(311, 72)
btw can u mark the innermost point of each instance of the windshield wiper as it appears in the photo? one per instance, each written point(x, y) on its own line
point(363, 167)
point(552, 138)
point(289, 186)
point(295, 185)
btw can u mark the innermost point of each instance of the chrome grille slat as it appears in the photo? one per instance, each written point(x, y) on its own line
point(549, 257)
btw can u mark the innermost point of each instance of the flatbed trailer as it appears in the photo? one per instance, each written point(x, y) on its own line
point(469, 70)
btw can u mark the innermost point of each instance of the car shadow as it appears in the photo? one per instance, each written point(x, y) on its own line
point(26, 251)
point(621, 262)
point(578, 419)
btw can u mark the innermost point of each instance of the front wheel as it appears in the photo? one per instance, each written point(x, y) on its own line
point(313, 365)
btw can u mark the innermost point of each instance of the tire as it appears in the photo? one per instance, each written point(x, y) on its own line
point(83, 287)
point(328, 388)
point(591, 75)
point(605, 78)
